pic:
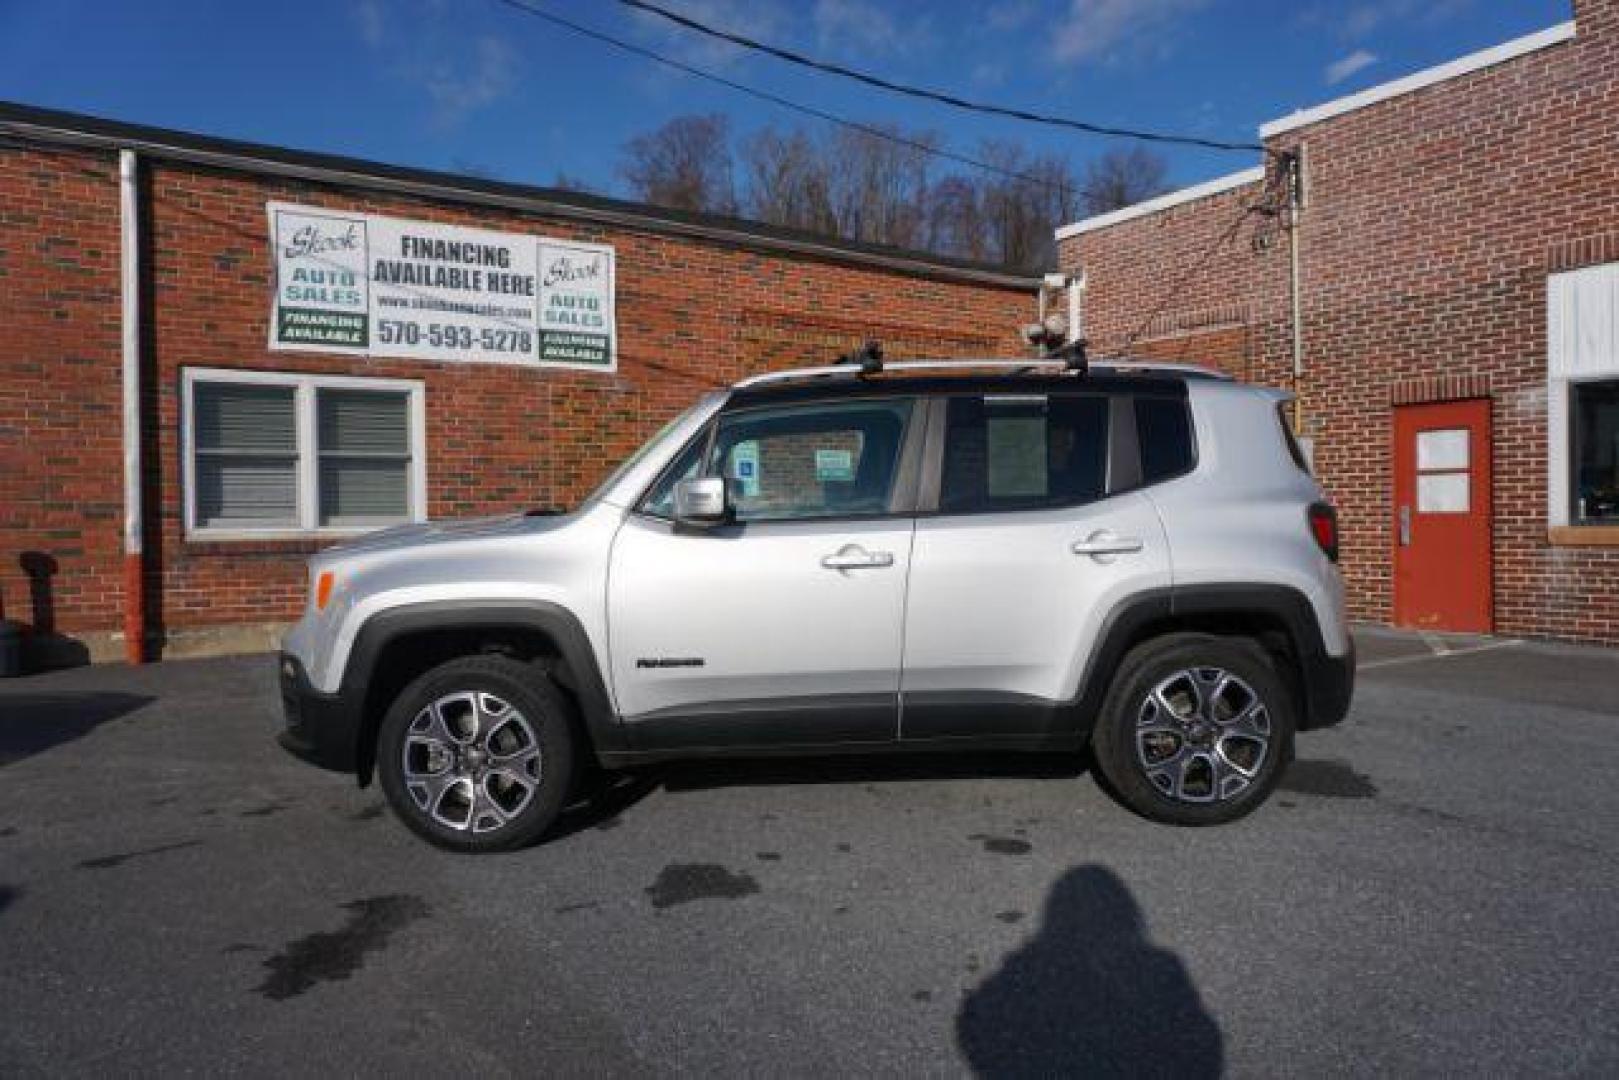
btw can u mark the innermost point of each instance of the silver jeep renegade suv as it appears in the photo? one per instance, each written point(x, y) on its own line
point(927, 556)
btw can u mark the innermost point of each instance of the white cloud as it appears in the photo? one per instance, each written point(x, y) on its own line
point(1104, 29)
point(866, 27)
point(368, 15)
point(421, 47)
point(1203, 118)
point(762, 19)
point(1355, 21)
point(1346, 66)
point(989, 73)
point(464, 84)
point(1011, 14)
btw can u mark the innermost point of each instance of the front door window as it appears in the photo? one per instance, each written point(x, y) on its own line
point(802, 462)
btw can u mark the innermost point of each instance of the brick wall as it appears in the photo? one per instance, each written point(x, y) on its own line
point(61, 491)
point(692, 315)
point(1432, 222)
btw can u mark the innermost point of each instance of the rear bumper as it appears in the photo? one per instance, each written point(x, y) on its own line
point(322, 729)
point(1329, 685)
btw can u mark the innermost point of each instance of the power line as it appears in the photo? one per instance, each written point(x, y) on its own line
point(937, 96)
point(1262, 204)
point(776, 99)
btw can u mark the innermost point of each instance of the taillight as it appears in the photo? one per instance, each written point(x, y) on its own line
point(1324, 527)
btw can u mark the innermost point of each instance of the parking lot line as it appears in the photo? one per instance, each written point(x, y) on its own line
point(1447, 653)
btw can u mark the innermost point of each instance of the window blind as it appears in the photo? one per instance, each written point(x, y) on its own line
point(246, 440)
point(364, 456)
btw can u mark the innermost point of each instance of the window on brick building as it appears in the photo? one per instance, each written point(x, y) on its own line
point(270, 454)
point(1583, 396)
point(1595, 452)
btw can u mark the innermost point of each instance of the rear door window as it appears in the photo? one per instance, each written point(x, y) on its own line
point(1023, 452)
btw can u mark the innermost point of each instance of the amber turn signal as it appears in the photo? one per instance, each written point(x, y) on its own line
point(323, 590)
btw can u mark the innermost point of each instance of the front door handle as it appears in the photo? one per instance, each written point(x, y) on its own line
point(855, 557)
point(1405, 526)
point(1103, 544)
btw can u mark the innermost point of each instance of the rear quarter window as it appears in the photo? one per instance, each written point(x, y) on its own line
point(1164, 430)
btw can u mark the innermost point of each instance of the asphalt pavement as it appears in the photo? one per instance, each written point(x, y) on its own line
point(1433, 891)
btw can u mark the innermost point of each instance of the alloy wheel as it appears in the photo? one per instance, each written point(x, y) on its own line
point(1202, 735)
point(471, 761)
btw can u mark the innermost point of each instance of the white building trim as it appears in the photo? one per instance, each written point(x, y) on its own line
point(1164, 202)
point(1582, 345)
point(1465, 65)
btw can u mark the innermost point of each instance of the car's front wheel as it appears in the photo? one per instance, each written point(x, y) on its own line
point(477, 754)
point(1196, 729)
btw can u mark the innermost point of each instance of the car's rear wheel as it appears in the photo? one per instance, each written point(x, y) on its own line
point(1196, 729)
point(477, 754)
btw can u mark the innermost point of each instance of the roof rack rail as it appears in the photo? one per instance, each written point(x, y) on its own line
point(1147, 367)
point(1044, 365)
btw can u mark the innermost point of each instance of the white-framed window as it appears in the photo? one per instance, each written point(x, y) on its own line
point(271, 454)
point(1582, 396)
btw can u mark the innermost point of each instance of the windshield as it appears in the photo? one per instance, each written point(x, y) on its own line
point(645, 448)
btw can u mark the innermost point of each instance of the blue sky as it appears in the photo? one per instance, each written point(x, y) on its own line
point(472, 86)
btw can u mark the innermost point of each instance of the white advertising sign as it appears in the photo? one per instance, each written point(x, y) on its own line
point(382, 286)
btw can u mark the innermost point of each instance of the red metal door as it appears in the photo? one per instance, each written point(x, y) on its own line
point(1442, 516)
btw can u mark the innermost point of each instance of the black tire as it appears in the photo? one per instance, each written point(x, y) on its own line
point(465, 689)
point(1182, 664)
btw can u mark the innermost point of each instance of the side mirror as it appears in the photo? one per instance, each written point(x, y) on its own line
point(701, 501)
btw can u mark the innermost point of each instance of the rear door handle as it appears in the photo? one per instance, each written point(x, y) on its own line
point(855, 557)
point(1103, 544)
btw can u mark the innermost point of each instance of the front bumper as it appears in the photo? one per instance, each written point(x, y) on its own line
point(322, 729)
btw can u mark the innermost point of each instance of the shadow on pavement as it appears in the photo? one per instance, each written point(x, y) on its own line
point(605, 795)
point(33, 723)
point(601, 798)
point(1090, 996)
point(7, 895)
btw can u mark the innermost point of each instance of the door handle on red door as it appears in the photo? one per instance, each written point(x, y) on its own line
point(1405, 526)
point(855, 557)
point(1103, 544)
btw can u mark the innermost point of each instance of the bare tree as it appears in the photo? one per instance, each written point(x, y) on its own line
point(1023, 203)
point(956, 223)
point(685, 164)
point(568, 182)
point(1124, 177)
point(878, 187)
point(785, 178)
point(875, 186)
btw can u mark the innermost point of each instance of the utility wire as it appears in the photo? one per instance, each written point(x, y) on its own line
point(1262, 204)
point(776, 99)
point(937, 96)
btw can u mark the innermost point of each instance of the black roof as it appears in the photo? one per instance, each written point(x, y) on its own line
point(55, 126)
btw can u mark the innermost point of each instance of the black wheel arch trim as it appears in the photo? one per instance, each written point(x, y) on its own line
point(1325, 682)
point(582, 678)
